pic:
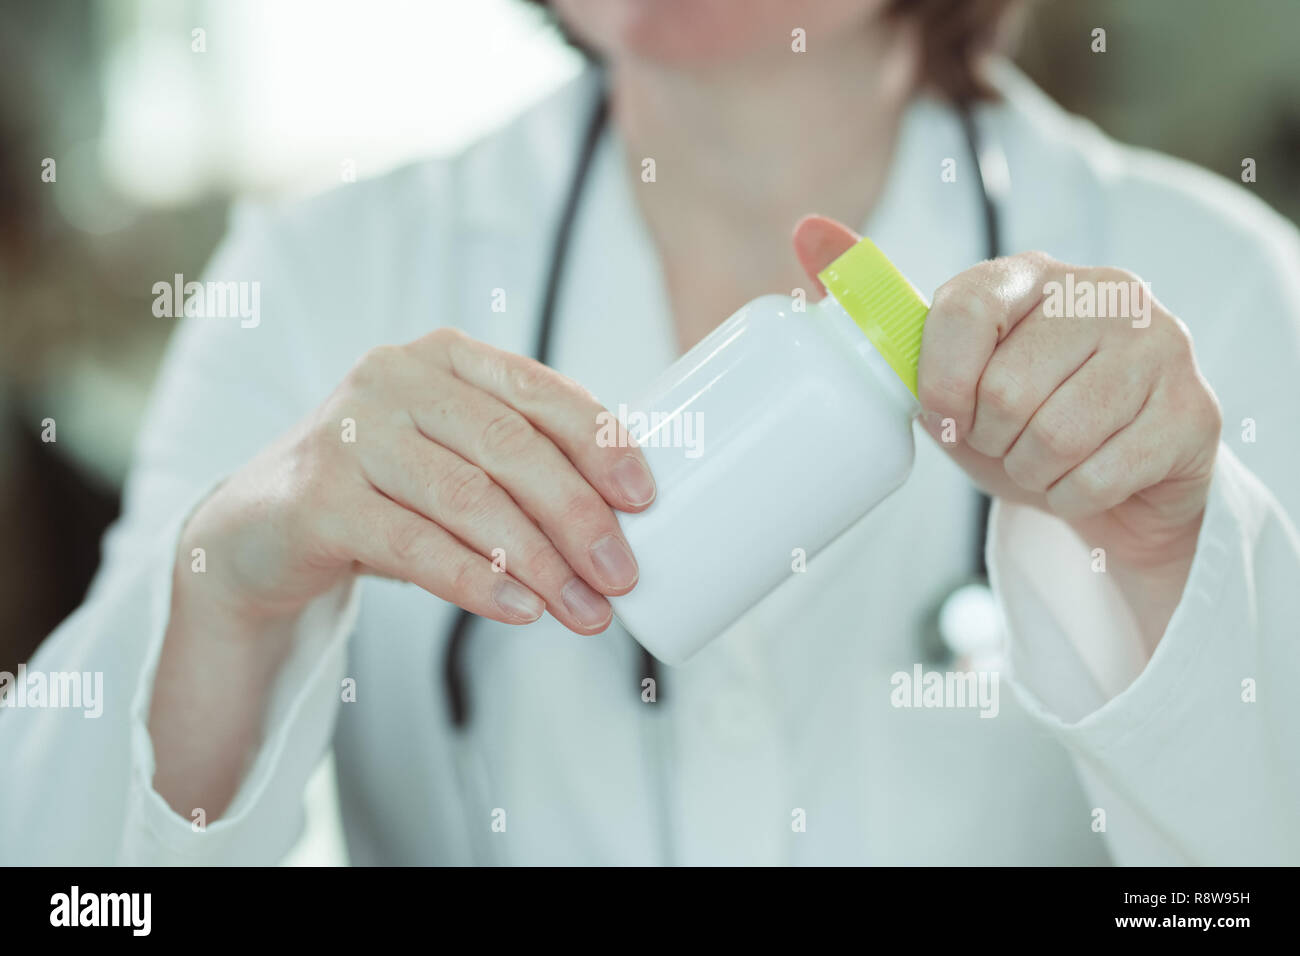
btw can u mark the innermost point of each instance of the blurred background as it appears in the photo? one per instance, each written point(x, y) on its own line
point(157, 113)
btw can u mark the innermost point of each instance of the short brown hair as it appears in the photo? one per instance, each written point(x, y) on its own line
point(954, 33)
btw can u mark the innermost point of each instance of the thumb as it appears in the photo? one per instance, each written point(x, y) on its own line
point(818, 242)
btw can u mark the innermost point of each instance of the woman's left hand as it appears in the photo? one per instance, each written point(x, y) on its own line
point(1106, 423)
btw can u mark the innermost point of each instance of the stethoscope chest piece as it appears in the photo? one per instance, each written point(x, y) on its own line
point(964, 630)
point(972, 628)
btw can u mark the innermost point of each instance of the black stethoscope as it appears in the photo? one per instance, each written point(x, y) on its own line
point(936, 645)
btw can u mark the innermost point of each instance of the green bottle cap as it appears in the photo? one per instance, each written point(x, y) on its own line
point(885, 306)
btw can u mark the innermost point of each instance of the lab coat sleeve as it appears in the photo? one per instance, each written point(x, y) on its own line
point(78, 788)
point(1193, 755)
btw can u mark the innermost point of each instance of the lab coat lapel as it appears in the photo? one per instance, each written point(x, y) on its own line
point(509, 207)
point(612, 305)
point(930, 225)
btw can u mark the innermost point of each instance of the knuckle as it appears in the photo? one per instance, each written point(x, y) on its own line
point(1017, 467)
point(1059, 438)
point(1199, 402)
point(444, 345)
point(466, 489)
point(1038, 260)
point(464, 579)
point(949, 298)
point(543, 563)
point(1179, 338)
point(508, 433)
point(374, 367)
point(382, 358)
point(1116, 274)
point(408, 543)
point(928, 393)
point(529, 379)
point(445, 336)
point(585, 510)
point(1213, 414)
point(1091, 485)
point(956, 299)
point(947, 391)
point(1001, 392)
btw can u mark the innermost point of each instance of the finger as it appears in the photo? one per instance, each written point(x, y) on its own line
point(589, 436)
point(987, 473)
point(516, 456)
point(1139, 457)
point(818, 242)
point(1126, 463)
point(436, 482)
point(1106, 394)
point(398, 543)
point(1028, 365)
point(970, 315)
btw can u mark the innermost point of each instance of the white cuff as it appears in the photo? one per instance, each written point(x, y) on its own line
point(265, 816)
point(1073, 645)
point(1191, 754)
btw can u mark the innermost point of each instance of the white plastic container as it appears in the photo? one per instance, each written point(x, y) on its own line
point(769, 438)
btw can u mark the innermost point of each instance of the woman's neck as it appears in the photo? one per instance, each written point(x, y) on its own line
point(742, 150)
point(766, 139)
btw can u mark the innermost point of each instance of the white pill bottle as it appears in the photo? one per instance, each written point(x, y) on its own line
point(769, 438)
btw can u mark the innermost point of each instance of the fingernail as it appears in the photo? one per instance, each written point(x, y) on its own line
point(586, 605)
point(634, 481)
point(517, 601)
point(614, 562)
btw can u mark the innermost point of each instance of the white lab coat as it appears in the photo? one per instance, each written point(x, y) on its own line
point(790, 710)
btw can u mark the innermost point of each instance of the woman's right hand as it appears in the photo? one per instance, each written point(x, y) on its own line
point(469, 471)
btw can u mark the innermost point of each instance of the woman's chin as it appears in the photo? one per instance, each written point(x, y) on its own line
point(683, 32)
